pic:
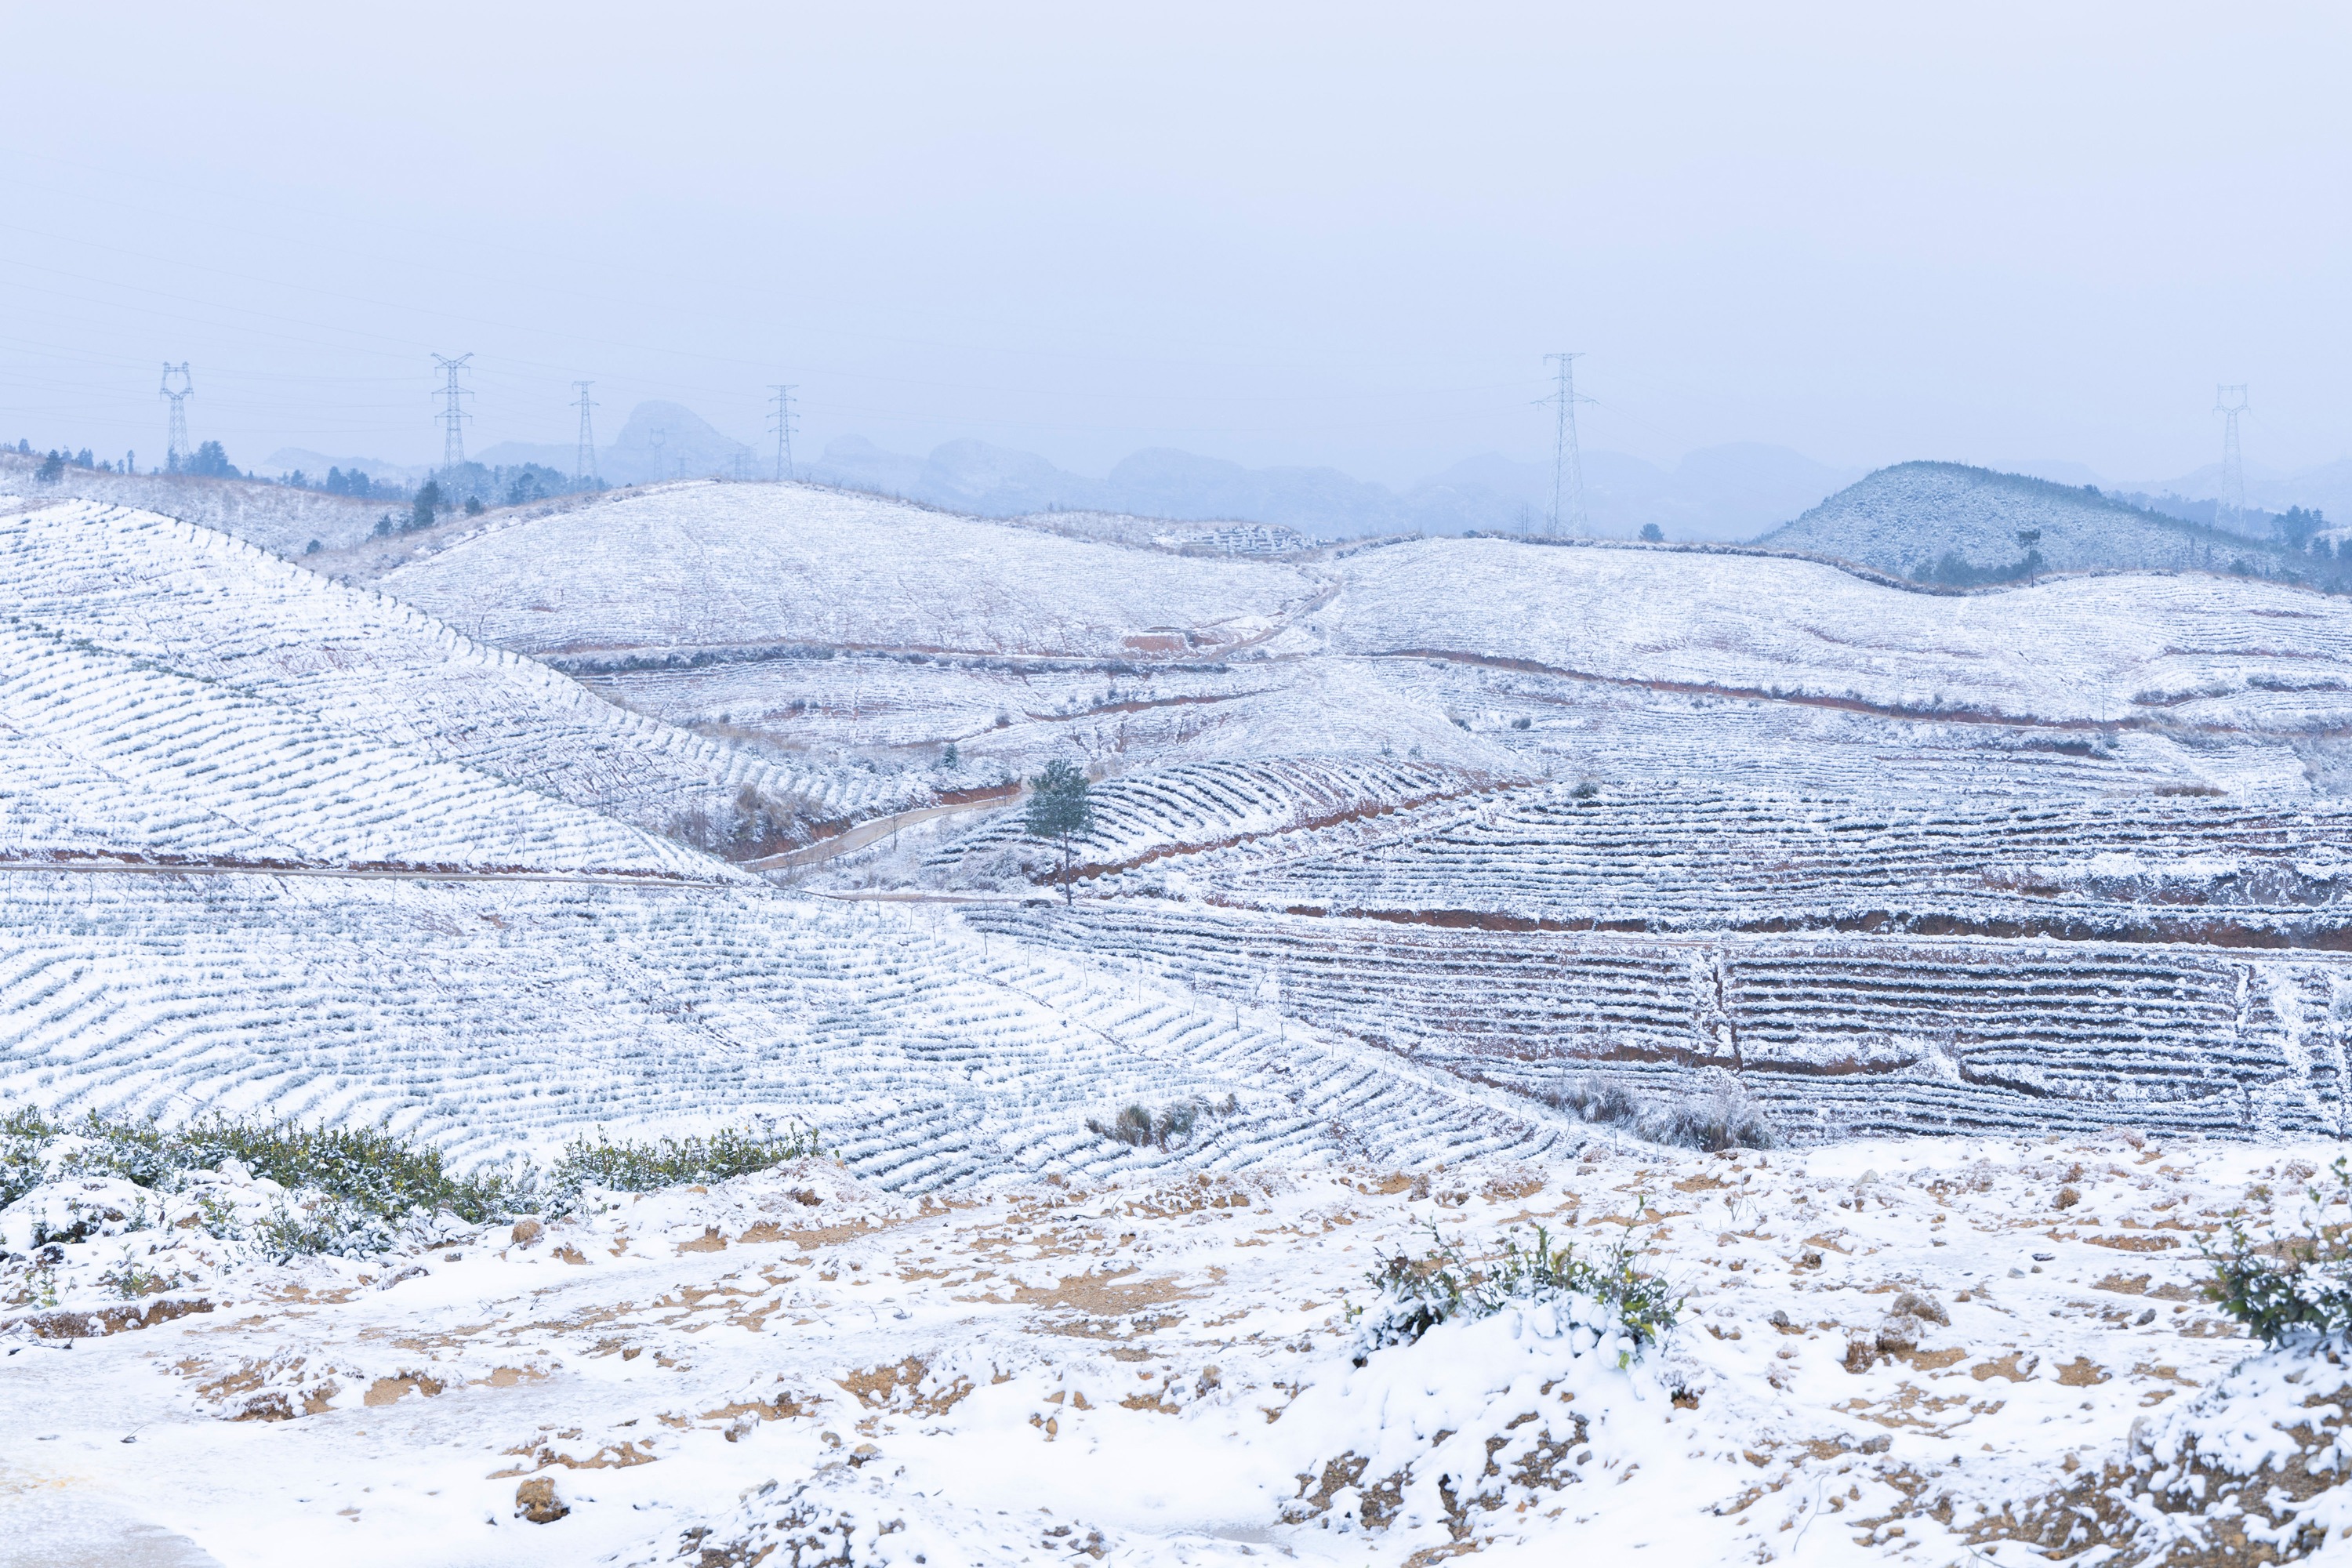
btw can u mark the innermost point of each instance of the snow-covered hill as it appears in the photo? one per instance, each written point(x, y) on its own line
point(735, 566)
point(169, 691)
point(1952, 523)
point(852, 630)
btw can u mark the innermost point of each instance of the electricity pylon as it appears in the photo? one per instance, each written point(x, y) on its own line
point(780, 422)
point(585, 467)
point(1567, 465)
point(453, 416)
point(175, 448)
point(2229, 402)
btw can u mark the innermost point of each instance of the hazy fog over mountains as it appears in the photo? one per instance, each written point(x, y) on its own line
point(1734, 491)
point(1721, 492)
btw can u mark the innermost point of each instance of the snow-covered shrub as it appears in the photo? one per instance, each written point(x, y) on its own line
point(2289, 1288)
point(1416, 1294)
point(349, 1190)
point(629, 1166)
point(1727, 1117)
point(1139, 1126)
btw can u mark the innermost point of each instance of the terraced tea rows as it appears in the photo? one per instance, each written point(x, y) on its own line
point(2261, 873)
point(124, 626)
point(1834, 1036)
point(1191, 809)
point(491, 1016)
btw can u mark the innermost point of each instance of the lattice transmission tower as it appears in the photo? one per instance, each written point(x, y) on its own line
point(452, 413)
point(585, 465)
point(780, 422)
point(2229, 402)
point(175, 448)
point(1567, 464)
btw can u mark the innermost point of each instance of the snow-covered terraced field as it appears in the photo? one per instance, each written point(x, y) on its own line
point(493, 1016)
point(1835, 1035)
point(2259, 873)
point(234, 704)
point(1188, 809)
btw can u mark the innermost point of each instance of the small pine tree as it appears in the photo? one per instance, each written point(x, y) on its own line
point(427, 502)
point(1061, 808)
point(52, 470)
point(1652, 534)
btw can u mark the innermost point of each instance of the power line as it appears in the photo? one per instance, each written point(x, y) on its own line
point(585, 469)
point(453, 418)
point(175, 448)
point(2229, 402)
point(780, 422)
point(1567, 464)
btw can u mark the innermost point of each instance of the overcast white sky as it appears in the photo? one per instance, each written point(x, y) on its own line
point(1309, 234)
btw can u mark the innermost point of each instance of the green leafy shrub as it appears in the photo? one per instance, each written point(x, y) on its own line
point(2294, 1288)
point(355, 1190)
point(629, 1166)
point(1416, 1294)
point(351, 1189)
point(24, 1134)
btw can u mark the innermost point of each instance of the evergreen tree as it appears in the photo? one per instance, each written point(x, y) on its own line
point(210, 461)
point(1061, 809)
point(427, 502)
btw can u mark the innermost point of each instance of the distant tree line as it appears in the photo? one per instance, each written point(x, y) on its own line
point(471, 488)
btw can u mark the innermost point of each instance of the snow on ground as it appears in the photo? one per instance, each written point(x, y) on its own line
point(1918, 1352)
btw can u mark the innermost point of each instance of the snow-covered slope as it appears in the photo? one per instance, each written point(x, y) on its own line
point(726, 566)
point(1907, 520)
point(2091, 650)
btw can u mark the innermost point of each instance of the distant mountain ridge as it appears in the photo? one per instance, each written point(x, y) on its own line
point(1725, 492)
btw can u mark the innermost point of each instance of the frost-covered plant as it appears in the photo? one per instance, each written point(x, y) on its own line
point(2294, 1288)
point(629, 1166)
point(1139, 1126)
point(1725, 1118)
point(1416, 1294)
